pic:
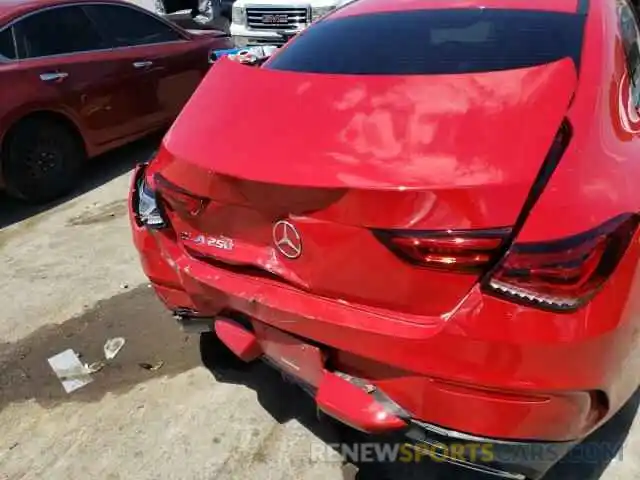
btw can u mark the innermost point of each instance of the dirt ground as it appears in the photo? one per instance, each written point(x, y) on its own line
point(71, 279)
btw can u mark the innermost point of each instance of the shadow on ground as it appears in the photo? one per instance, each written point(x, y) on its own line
point(286, 401)
point(99, 171)
point(136, 315)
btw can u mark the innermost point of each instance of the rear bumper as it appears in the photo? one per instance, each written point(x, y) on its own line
point(437, 369)
point(487, 369)
point(356, 403)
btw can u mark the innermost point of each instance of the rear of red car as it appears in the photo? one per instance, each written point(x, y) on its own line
point(365, 229)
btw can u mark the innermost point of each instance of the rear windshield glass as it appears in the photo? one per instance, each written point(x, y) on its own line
point(433, 42)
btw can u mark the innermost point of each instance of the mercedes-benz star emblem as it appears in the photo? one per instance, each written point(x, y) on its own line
point(287, 239)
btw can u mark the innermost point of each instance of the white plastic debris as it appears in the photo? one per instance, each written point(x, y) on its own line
point(112, 347)
point(70, 370)
point(94, 367)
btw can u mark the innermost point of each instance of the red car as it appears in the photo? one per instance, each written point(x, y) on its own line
point(432, 223)
point(78, 78)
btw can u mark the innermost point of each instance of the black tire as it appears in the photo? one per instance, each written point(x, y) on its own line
point(41, 160)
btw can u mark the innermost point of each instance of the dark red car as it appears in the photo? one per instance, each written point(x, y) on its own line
point(78, 78)
point(432, 224)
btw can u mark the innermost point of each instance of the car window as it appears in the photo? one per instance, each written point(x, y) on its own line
point(56, 31)
point(420, 42)
point(126, 26)
point(629, 35)
point(7, 46)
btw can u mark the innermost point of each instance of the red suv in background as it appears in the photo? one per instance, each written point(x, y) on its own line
point(434, 228)
point(78, 78)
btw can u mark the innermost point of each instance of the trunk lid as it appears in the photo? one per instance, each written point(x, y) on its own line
point(338, 155)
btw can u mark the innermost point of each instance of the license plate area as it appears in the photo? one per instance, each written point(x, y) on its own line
point(295, 357)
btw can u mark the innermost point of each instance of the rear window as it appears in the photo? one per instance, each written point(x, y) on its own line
point(433, 42)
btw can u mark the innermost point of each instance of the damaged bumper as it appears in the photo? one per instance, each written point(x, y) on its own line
point(421, 399)
point(361, 405)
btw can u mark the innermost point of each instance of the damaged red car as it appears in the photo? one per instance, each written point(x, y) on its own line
point(433, 225)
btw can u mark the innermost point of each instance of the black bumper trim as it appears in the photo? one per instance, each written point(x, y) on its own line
point(516, 460)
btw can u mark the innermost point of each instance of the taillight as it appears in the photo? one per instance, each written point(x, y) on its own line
point(147, 210)
point(178, 199)
point(469, 251)
point(562, 275)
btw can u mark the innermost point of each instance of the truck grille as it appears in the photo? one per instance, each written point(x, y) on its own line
point(277, 18)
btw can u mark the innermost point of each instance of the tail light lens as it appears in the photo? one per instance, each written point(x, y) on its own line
point(148, 212)
point(178, 199)
point(469, 251)
point(562, 275)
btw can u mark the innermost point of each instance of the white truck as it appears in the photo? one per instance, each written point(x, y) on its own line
point(273, 22)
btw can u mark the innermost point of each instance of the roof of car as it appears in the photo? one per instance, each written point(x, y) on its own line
point(10, 9)
point(374, 6)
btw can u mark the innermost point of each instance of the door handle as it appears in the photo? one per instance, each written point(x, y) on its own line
point(53, 76)
point(143, 64)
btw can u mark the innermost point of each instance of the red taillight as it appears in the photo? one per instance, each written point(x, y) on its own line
point(469, 251)
point(177, 198)
point(562, 275)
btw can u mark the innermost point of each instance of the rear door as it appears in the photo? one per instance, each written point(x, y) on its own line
point(64, 64)
point(170, 64)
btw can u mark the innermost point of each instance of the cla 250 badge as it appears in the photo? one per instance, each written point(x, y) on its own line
point(222, 243)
